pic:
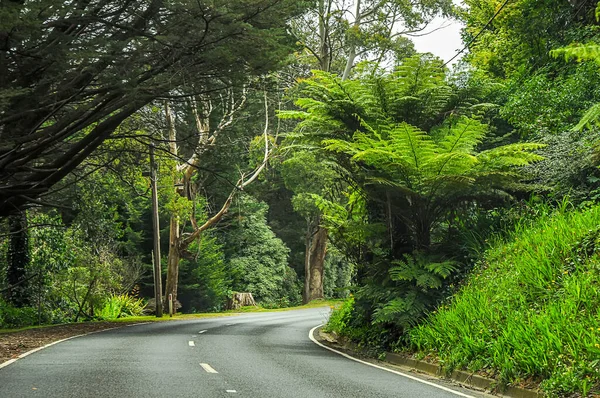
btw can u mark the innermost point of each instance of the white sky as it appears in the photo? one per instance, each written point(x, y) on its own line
point(444, 43)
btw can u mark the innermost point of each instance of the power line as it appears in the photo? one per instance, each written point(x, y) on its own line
point(478, 34)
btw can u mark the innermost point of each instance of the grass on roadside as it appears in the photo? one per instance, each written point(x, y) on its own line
point(177, 317)
point(531, 312)
point(312, 304)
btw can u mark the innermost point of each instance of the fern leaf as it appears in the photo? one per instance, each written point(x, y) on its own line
point(590, 118)
point(504, 157)
point(292, 114)
point(426, 280)
point(462, 135)
point(579, 52)
point(443, 269)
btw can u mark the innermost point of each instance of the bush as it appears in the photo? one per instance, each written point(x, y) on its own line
point(121, 306)
point(13, 317)
point(340, 318)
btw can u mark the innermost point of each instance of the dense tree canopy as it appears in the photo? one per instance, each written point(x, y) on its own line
point(72, 72)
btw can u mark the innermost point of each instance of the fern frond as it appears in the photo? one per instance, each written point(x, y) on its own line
point(398, 186)
point(506, 156)
point(443, 269)
point(428, 280)
point(405, 270)
point(309, 103)
point(292, 115)
point(579, 52)
point(590, 118)
point(462, 135)
point(447, 164)
point(404, 311)
point(391, 311)
point(414, 145)
point(340, 146)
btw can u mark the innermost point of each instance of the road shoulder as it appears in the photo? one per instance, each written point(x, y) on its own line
point(460, 383)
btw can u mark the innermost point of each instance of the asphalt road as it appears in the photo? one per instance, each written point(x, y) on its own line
point(258, 355)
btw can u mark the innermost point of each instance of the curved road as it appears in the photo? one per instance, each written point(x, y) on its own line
point(258, 355)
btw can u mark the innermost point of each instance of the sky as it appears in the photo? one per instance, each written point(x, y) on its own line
point(445, 42)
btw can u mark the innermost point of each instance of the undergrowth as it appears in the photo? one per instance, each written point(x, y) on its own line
point(121, 306)
point(530, 311)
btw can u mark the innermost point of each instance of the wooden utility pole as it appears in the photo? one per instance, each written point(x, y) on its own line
point(156, 230)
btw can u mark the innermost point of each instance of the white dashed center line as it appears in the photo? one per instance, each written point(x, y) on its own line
point(208, 368)
point(191, 343)
point(202, 331)
point(230, 391)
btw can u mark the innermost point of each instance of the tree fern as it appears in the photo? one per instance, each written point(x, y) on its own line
point(416, 160)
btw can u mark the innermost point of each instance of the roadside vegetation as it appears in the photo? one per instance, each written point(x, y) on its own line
point(306, 153)
point(529, 309)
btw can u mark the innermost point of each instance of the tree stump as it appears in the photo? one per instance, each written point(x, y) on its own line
point(239, 300)
point(150, 307)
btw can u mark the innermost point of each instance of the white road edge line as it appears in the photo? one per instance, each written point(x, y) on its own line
point(314, 340)
point(191, 343)
point(202, 331)
point(208, 368)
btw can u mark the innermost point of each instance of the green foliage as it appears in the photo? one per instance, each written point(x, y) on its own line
point(570, 166)
point(18, 258)
point(385, 134)
point(143, 47)
point(417, 277)
point(548, 102)
point(522, 34)
point(306, 174)
point(410, 146)
point(204, 281)
point(530, 310)
point(340, 318)
point(579, 52)
point(583, 52)
point(256, 259)
point(338, 274)
point(86, 254)
point(121, 306)
point(13, 317)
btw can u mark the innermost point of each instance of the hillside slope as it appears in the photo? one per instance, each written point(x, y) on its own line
point(531, 311)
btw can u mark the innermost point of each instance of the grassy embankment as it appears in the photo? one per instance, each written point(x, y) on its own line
point(531, 311)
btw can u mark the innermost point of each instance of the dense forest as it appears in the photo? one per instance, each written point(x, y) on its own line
point(302, 150)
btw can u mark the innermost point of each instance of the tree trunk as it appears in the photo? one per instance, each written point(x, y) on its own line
point(324, 49)
point(352, 52)
point(307, 245)
point(314, 263)
point(423, 235)
point(18, 260)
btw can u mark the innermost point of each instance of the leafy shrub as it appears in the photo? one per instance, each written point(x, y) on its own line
point(121, 306)
point(340, 318)
point(13, 317)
